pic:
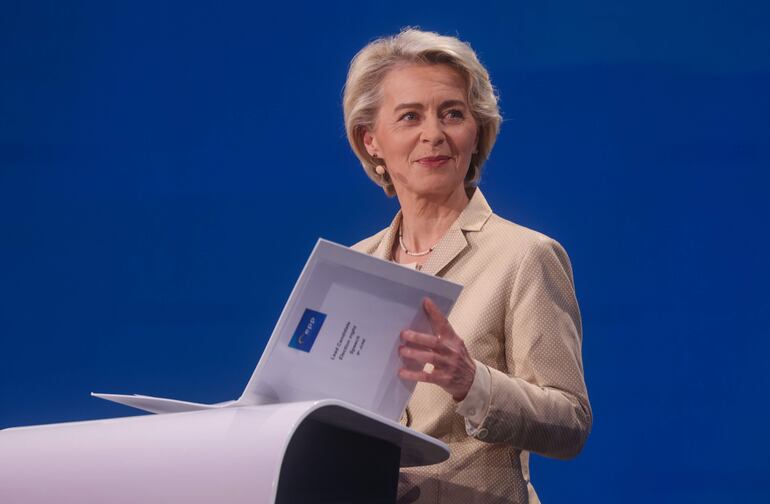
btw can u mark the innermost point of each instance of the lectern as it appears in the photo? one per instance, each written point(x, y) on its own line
point(302, 452)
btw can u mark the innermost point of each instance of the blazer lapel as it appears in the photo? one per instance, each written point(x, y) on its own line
point(384, 248)
point(446, 250)
point(471, 219)
point(454, 242)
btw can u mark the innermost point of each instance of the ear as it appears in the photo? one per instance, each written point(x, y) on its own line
point(370, 142)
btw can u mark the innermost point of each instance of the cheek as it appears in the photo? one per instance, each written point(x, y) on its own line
point(402, 147)
point(388, 140)
point(468, 141)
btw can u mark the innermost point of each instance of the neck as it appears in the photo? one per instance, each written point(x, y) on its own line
point(425, 219)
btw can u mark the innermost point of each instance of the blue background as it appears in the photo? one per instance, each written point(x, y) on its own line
point(165, 169)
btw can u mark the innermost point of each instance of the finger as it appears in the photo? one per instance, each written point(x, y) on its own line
point(418, 339)
point(409, 362)
point(422, 357)
point(418, 376)
point(436, 377)
point(438, 321)
point(412, 365)
point(417, 366)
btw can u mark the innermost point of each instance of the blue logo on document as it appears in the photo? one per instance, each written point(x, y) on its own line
point(307, 330)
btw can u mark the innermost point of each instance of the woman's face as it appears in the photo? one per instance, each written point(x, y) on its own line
point(424, 130)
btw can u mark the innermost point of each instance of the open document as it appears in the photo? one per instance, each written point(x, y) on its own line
point(337, 336)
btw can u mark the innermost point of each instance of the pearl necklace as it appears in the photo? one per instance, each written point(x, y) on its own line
point(413, 254)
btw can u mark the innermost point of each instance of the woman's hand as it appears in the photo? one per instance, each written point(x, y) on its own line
point(453, 368)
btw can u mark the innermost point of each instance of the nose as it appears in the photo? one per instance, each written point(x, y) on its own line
point(433, 131)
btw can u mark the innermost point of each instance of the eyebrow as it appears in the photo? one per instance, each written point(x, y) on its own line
point(420, 106)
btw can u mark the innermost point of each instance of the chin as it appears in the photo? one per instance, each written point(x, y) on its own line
point(437, 188)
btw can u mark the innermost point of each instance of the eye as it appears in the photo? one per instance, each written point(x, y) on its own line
point(408, 116)
point(454, 114)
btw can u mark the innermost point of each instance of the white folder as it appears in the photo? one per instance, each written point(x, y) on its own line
point(337, 336)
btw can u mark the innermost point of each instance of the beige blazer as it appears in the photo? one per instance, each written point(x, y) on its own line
point(518, 316)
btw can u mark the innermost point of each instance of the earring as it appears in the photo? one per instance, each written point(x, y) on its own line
point(379, 169)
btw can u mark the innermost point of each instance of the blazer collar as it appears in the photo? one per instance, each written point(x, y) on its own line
point(471, 219)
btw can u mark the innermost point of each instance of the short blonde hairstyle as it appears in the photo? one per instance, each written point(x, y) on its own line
point(363, 92)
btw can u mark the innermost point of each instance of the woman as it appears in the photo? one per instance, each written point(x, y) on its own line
point(503, 375)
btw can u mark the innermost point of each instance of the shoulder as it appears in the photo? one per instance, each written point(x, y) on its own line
point(517, 239)
point(521, 250)
point(369, 245)
point(528, 265)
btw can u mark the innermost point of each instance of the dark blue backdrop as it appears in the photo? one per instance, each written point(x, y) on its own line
point(165, 169)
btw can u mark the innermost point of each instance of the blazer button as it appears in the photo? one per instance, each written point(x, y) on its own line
point(482, 433)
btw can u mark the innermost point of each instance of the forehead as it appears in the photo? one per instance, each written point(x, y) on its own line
point(422, 83)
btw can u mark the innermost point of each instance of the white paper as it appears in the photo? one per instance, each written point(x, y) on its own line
point(159, 404)
point(338, 336)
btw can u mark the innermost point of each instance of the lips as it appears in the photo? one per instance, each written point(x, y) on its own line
point(434, 160)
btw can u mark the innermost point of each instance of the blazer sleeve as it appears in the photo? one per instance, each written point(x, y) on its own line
point(541, 403)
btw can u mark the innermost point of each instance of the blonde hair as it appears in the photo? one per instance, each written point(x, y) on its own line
point(363, 92)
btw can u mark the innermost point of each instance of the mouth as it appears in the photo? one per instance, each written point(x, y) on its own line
point(434, 161)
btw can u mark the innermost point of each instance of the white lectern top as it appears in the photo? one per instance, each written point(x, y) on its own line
point(229, 455)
